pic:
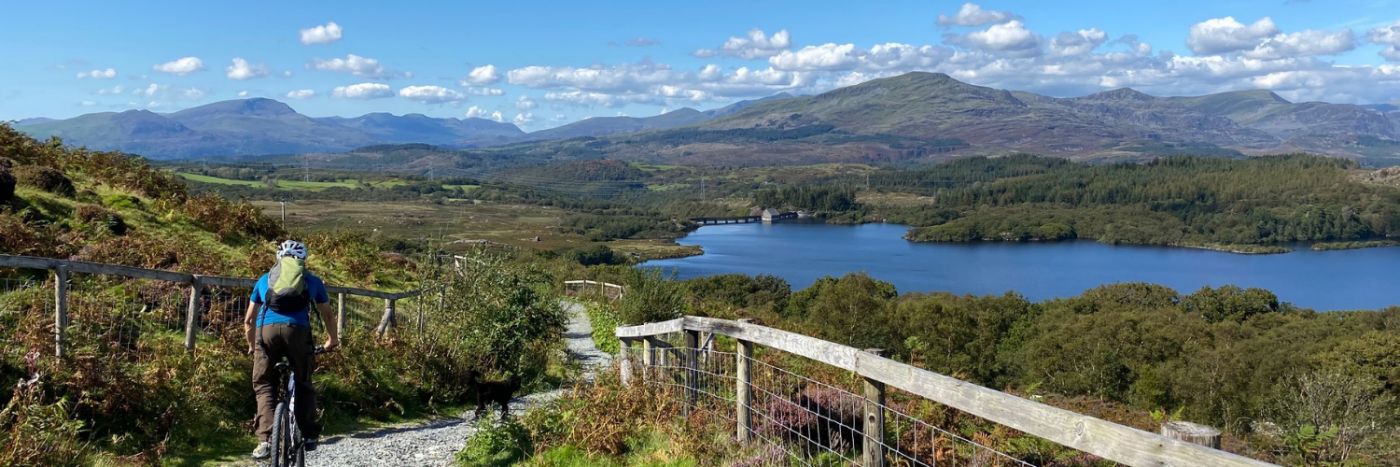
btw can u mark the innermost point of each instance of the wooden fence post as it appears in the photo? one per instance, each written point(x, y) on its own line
point(648, 358)
point(192, 314)
point(692, 387)
point(60, 308)
point(743, 397)
point(624, 366)
point(340, 314)
point(1192, 433)
point(421, 327)
point(388, 320)
point(873, 451)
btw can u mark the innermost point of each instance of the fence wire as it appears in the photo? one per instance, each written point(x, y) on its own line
point(800, 420)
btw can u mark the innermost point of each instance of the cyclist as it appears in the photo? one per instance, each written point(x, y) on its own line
point(278, 325)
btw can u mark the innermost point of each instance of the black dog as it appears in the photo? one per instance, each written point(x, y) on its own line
point(499, 392)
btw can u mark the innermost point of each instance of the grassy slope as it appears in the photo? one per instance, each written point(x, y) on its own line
point(371, 383)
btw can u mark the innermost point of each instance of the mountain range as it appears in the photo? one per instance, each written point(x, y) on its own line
point(907, 117)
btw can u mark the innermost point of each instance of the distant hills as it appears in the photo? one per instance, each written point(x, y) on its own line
point(259, 126)
point(910, 117)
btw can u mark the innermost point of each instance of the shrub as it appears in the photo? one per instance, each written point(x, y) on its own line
point(496, 445)
point(45, 178)
point(7, 180)
point(650, 298)
point(121, 201)
point(38, 432)
point(22, 239)
point(231, 220)
point(102, 219)
point(597, 254)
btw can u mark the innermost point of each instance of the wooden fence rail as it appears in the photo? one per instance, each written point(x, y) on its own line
point(62, 269)
point(609, 290)
point(1088, 434)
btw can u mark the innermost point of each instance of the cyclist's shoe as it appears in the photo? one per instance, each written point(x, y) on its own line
point(310, 443)
point(262, 451)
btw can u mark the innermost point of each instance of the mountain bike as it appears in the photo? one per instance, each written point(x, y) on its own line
point(288, 446)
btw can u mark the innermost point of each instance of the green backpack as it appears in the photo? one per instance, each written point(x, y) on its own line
point(286, 286)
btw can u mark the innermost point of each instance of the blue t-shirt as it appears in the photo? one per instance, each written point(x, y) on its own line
point(315, 288)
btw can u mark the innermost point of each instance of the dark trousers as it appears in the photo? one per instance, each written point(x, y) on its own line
point(294, 343)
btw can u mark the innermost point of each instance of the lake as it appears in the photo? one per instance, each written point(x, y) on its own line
point(803, 252)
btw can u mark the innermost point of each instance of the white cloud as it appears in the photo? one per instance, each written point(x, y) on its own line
point(821, 57)
point(353, 64)
point(430, 94)
point(300, 94)
point(476, 112)
point(181, 66)
point(87, 103)
point(1077, 43)
point(192, 93)
point(242, 93)
point(363, 91)
point(241, 70)
point(484, 91)
point(756, 44)
point(525, 103)
point(1304, 43)
point(598, 78)
point(1009, 36)
point(323, 34)
point(107, 73)
point(590, 98)
point(150, 90)
point(973, 15)
point(496, 115)
point(1388, 36)
point(711, 72)
point(481, 76)
point(118, 89)
point(1221, 35)
point(523, 118)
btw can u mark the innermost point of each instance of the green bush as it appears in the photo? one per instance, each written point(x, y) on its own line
point(651, 298)
point(496, 445)
point(45, 178)
point(7, 180)
point(121, 201)
point(604, 321)
point(597, 254)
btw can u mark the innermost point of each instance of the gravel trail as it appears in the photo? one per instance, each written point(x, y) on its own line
point(434, 442)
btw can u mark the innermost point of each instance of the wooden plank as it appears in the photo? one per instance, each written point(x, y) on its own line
point(1102, 438)
point(230, 282)
point(60, 309)
point(31, 262)
point(743, 395)
point(651, 329)
point(192, 314)
point(872, 453)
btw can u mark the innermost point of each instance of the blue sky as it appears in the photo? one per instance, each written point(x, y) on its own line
point(541, 64)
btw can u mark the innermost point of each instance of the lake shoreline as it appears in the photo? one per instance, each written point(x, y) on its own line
point(802, 253)
point(1232, 248)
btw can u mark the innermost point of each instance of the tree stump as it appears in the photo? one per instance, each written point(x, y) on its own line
point(1192, 433)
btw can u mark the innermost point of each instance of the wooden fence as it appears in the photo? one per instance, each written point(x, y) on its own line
point(1087, 434)
point(610, 291)
point(61, 270)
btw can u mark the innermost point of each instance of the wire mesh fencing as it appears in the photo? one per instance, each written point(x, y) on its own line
point(805, 420)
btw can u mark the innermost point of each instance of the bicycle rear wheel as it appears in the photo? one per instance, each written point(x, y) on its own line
point(281, 436)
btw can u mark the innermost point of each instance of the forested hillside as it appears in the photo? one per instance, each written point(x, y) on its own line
point(1172, 201)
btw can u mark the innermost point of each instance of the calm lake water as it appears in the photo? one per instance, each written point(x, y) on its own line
point(801, 253)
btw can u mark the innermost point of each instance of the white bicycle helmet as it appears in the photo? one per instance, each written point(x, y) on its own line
point(292, 248)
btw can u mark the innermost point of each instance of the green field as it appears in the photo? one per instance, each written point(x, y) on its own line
point(307, 185)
